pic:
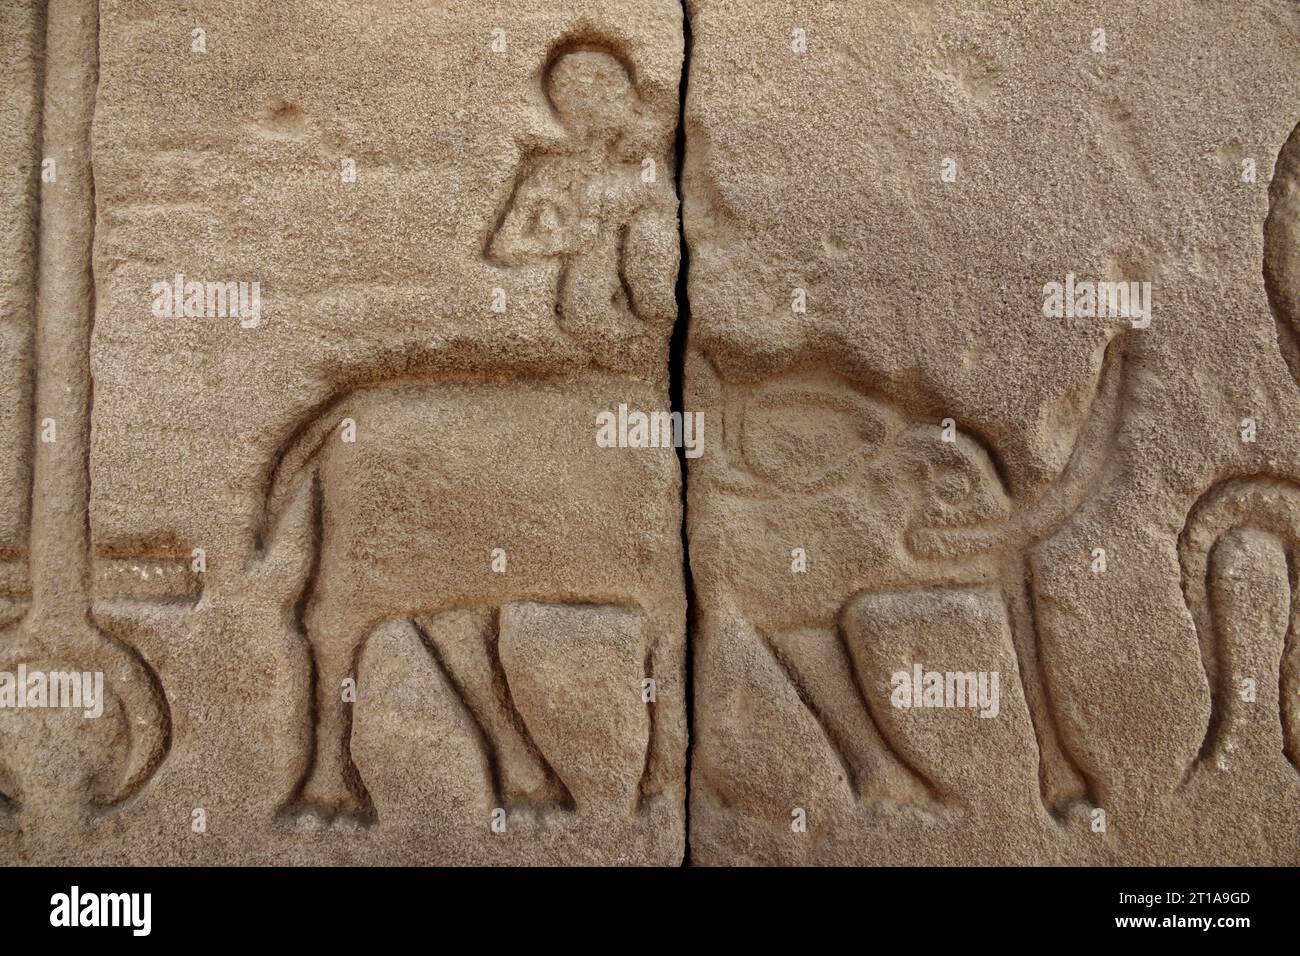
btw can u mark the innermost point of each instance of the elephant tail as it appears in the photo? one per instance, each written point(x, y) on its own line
point(294, 466)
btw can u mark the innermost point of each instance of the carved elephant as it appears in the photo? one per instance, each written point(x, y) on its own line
point(484, 514)
point(892, 513)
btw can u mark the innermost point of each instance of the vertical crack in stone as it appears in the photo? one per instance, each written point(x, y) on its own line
point(676, 367)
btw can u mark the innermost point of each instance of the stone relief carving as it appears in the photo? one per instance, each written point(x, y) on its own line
point(599, 202)
point(902, 515)
point(378, 551)
point(1238, 555)
point(929, 549)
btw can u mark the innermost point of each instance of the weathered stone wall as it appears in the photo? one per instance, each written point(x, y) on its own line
point(340, 347)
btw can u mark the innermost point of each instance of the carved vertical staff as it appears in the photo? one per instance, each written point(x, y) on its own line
point(22, 30)
point(65, 296)
point(58, 780)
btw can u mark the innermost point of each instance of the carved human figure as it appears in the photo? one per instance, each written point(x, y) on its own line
point(403, 533)
point(599, 203)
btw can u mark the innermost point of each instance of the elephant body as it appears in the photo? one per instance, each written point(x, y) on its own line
point(487, 499)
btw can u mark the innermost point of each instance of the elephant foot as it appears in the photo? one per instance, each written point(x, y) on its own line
point(311, 811)
point(331, 800)
point(304, 816)
point(332, 788)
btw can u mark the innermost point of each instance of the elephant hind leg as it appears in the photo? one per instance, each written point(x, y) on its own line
point(463, 643)
point(333, 786)
point(576, 674)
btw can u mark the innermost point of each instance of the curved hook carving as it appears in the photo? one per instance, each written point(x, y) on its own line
point(1266, 504)
point(1282, 251)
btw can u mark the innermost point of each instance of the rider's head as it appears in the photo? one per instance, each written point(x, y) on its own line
point(591, 91)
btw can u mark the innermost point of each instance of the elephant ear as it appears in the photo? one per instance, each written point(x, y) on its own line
point(809, 434)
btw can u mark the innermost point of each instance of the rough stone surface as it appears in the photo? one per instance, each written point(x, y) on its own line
point(309, 315)
point(831, 171)
point(427, 601)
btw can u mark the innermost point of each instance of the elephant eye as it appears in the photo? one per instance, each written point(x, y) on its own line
point(959, 483)
point(798, 433)
point(952, 483)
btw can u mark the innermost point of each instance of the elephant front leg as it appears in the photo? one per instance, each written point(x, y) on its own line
point(1062, 782)
point(333, 784)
